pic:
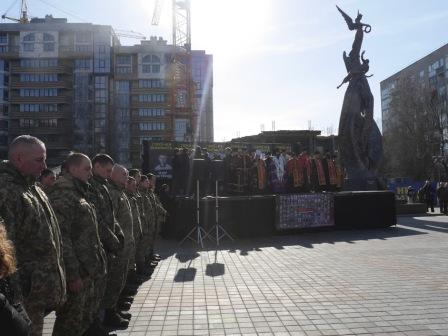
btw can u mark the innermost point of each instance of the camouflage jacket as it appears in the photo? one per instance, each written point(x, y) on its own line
point(109, 230)
point(137, 219)
point(33, 227)
point(148, 210)
point(84, 255)
point(123, 213)
point(159, 210)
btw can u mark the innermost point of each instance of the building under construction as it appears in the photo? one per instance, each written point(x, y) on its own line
point(76, 87)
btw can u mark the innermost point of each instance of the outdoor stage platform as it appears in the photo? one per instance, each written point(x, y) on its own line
point(255, 216)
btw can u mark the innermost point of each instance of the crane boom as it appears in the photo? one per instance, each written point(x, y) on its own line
point(157, 11)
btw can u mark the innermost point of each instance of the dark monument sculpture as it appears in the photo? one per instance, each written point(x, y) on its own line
point(360, 143)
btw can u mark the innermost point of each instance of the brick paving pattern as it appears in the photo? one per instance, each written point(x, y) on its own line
point(373, 282)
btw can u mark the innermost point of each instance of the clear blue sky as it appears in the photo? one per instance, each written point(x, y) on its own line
point(279, 59)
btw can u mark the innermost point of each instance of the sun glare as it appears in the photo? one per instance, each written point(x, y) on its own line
point(228, 27)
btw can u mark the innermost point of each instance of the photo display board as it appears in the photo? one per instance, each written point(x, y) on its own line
point(301, 211)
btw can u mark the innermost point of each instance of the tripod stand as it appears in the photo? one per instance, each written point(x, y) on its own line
point(218, 229)
point(197, 234)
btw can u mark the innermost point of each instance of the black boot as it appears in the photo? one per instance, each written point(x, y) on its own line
point(125, 298)
point(122, 305)
point(97, 329)
point(156, 257)
point(114, 320)
point(125, 315)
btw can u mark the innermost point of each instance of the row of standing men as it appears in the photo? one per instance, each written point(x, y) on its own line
point(251, 172)
point(83, 243)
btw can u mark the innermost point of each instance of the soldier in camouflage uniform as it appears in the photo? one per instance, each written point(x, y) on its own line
point(123, 215)
point(147, 221)
point(84, 255)
point(160, 214)
point(137, 210)
point(147, 242)
point(109, 230)
point(32, 226)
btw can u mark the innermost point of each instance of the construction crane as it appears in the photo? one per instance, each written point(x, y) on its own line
point(181, 21)
point(129, 34)
point(180, 75)
point(23, 13)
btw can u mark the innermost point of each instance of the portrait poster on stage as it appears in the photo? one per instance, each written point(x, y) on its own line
point(160, 160)
point(300, 211)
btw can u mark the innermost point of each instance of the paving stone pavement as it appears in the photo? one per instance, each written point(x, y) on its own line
point(373, 282)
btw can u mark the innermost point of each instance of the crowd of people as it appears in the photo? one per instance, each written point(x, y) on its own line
point(79, 243)
point(251, 172)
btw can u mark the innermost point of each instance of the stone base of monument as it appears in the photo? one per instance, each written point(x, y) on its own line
point(411, 209)
point(361, 181)
point(364, 209)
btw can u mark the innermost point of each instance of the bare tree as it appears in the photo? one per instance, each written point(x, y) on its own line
point(414, 130)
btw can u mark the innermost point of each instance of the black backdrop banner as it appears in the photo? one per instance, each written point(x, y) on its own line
point(157, 155)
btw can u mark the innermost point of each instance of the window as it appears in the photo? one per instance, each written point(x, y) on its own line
point(150, 83)
point(48, 42)
point(123, 70)
point(151, 98)
point(3, 140)
point(122, 86)
point(3, 38)
point(28, 42)
point(27, 123)
point(83, 64)
point(100, 82)
point(102, 49)
point(100, 111)
point(38, 107)
point(83, 48)
point(38, 63)
point(101, 96)
point(83, 37)
point(48, 46)
point(101, 63)
point(29, 37)
point(151, 64)
point(28, 47)
point(152, 126)
point(38, 77)
point(48, 123)
point(123, 64)
point(44, 92)
point(124, 60)
point(3, 124)
point(151, 112)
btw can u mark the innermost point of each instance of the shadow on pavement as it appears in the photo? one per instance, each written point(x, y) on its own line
point(185, 274)
point(425, 224)
point(310, 239)
point(215, 269)
point(189, 252)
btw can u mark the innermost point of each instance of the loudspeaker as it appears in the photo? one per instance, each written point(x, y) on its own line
point(218, 171)
point(198, 167)
point(364, 209)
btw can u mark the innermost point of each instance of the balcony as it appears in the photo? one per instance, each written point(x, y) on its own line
point(7, 51)
point(17, 84)
point(57, 69)
point(63, 99)
point(136, 90)
point(79, 51)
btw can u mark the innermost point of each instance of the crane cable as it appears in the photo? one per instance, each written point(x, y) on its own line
point(10, 7)
point(64, 11)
